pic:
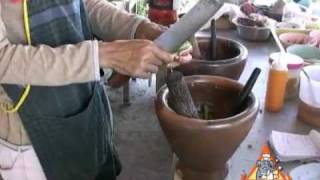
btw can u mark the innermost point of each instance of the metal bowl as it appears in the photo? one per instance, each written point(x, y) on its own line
point(252, 33)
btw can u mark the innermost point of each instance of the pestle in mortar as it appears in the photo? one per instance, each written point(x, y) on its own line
point(247, 90)
point(194, 43)
point(180, 97)
point(213, 41)
point(183, 29)
point(196, 53)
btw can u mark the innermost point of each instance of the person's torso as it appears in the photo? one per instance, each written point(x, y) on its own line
point(70, 126)
point(11, 128)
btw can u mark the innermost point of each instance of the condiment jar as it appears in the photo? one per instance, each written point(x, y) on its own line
point(276, 87)
point(309, 96)
point(294, 64)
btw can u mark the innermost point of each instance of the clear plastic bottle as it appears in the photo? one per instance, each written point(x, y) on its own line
point(294, 64)
point(276, 87)
point(293, 81)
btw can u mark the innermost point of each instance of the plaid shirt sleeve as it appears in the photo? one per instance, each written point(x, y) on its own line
point(46, 66)
point(110, 23)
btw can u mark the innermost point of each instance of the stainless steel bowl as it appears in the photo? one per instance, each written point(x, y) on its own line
point(252, 33)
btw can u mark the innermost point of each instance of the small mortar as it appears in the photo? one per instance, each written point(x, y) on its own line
point(204, 146)
point(230, 62)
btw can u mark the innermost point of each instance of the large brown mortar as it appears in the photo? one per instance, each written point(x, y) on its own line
point(205, 145)
point(231, 59)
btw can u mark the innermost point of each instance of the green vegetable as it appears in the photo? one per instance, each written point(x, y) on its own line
point(183, 47)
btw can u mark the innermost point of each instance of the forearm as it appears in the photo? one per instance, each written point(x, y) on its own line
point(46, 66)
point(136, 58)
point(110, 23)
point(149, 30)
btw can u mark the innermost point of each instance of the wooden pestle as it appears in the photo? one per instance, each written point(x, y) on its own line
point(196, 53)
point(180, 97)
point(213, 41)
point(245, 92)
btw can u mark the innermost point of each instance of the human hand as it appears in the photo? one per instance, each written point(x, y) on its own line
point(145, 30)
point(118, 80)
point(136, 58)
point(150, 31)
point(184, 55)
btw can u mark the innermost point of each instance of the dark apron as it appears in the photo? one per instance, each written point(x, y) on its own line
point(70, 127)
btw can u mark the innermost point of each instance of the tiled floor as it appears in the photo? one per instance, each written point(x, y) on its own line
point(143, 150)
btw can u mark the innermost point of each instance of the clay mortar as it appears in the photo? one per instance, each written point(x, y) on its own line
point(204, 146)
point(231, 59)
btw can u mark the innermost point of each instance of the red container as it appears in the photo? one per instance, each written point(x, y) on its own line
point(163, 17)
point(162, 4)
point(163, 12)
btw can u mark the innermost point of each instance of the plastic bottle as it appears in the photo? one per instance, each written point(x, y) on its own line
point(294, 64)
point(276, 87)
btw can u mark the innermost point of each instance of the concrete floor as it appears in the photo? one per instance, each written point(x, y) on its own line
point(143, 150)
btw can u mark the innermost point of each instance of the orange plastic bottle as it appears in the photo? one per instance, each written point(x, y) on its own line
point(276, 87)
